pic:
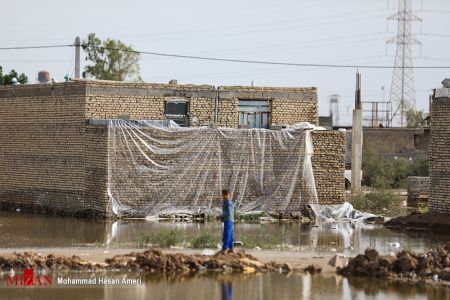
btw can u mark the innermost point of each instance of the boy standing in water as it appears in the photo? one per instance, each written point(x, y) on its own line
point(228, 220)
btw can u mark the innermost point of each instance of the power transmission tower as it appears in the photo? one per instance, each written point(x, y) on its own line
point(402, 88)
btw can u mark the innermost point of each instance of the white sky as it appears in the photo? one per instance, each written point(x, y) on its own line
point(301, 31)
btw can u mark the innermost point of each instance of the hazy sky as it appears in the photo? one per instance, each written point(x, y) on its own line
point(301, 31)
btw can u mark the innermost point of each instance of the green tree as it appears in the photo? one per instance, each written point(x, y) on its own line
point(111, 59)
point(415, 118)
point(380, 172)
point(7, 78)
point(377, 171)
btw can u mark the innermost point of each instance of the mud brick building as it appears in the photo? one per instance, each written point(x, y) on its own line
point(54, 148)
point(440, 153)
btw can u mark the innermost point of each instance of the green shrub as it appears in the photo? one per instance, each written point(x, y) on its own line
point(167, 238)
point(376, 201)
point(205, 240)
point(265, 241)
point(142, 240)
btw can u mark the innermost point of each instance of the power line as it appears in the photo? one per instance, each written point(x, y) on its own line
point(261, 62)
point(35, 47)
point(268, 62)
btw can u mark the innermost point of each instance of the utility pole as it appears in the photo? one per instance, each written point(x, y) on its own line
point(402, 87)
point(357, 139)
point(77, 56)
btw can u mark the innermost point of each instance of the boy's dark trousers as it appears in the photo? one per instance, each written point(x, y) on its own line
point(227, 235)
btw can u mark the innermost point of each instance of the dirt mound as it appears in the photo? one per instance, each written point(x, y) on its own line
point(150, 261)
point(31, 260)
point(437, 223)
point(405, 264)
point(155, 261)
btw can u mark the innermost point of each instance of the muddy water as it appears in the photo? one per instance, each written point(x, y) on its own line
point(227, 287)
point(19, 230)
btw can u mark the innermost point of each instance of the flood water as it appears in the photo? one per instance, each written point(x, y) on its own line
point(18, 230)
point(227, 287)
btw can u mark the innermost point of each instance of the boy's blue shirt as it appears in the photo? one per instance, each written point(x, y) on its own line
point(227, 211)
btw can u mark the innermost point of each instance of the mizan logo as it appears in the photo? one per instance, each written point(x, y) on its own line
point(28, 279)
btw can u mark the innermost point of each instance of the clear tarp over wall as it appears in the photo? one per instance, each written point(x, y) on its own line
point(157, 167)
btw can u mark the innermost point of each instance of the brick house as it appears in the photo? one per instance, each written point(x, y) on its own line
point(53, 158)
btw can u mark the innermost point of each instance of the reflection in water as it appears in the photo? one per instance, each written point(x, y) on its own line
point(227, 290)
point(219, 286)
point(24, 230)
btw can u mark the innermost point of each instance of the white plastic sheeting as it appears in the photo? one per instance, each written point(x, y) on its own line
point(338, 213)
point(157, 167)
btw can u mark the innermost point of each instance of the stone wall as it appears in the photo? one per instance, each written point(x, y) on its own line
point(440, 153)
point(51, 160)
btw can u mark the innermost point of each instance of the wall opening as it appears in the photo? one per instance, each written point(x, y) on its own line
point(254, 113)
point(177, 111)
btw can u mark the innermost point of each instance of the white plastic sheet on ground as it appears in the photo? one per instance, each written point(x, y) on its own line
point(157, 167)
point(338, 213)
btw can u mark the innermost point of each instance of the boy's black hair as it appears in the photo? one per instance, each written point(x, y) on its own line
point(225, 192)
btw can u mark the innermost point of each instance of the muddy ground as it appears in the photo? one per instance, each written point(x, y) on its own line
point(156, 261)
point(98, 255)
point(436, 223)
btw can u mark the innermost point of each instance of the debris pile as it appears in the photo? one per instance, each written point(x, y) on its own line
point(434, 264)
point(150, 261)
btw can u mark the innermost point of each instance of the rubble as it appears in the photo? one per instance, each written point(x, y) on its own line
point(405, 264)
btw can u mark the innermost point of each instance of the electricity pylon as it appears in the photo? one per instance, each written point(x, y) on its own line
point(403, 96)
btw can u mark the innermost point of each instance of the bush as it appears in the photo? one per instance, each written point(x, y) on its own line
point(376, 200)
point(205, 240)
point(167, 238)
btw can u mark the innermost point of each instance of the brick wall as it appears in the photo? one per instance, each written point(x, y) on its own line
point(329, 165)
point(440, 155)
point(288, 105)
point(51, 160)
point(390, 140)
point(42, 147)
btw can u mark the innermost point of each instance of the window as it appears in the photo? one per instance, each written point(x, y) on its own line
point(177, 112)
point(254, 113)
